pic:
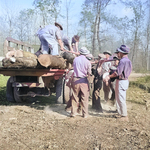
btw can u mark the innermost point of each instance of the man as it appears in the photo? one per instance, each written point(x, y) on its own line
point(75, 43)
point(50, 36)
point(112, 80)
point(66, 42)
point(123, 71)
point(80, 89)
point(105, 68)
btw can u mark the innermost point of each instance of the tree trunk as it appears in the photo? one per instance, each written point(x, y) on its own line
point(94, 39)
point(52, 61)
point(22, 62)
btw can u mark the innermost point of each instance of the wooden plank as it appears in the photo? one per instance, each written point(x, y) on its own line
point(22, 45)
point(32, 72)
point(18, 42)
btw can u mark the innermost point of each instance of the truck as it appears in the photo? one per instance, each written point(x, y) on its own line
point(32, 82)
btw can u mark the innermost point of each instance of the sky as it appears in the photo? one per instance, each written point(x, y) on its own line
point(75, 9)
point(17, 5)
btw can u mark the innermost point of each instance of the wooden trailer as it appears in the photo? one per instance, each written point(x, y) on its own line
point(33, 81)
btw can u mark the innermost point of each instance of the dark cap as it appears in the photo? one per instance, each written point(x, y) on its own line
point(57, 24)
point(76, 37)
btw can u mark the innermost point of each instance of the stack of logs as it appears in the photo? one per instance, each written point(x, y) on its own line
point(22, 59)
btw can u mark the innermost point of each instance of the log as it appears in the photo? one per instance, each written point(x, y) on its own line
point(68, 56)
point(20, 53)
point(19, 62)
point(52, 61)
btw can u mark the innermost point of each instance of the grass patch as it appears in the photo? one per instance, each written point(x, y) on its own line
point(3, 82)
point(137, 95)
point(142, 82)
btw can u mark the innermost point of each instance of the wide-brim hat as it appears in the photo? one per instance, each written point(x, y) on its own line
point(57, 24)
point(107, 52)
point(84, 51)
point(123, 49)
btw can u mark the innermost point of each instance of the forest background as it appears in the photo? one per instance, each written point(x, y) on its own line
point(101, 24)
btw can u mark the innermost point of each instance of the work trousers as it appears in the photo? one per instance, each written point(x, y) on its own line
point(96, 104)
point(106, 89)
point(112, 87)
point(121, 87)
point(80, 90)
point(48, 42)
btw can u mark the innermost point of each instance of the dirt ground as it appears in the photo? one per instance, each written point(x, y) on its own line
point(28, 127)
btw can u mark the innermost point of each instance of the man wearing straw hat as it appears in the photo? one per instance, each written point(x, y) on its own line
point(80, 88)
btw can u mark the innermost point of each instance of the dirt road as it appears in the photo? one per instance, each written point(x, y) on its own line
point(31, 126)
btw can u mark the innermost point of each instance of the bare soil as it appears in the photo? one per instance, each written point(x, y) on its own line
point(29, 126)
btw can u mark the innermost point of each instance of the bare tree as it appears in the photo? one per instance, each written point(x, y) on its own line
point(85, 22)
point(147, 56)
point(48, 10)
point(137, 24)
point(97, 7)
point(67, 7)
point(9, 11)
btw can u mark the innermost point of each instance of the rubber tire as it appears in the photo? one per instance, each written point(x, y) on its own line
point(17, 98)
point(10, 91)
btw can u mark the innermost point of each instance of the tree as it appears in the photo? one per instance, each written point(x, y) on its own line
point(9, 17)
point(67, 7)
point(48, 10)
point(147, 56)
point(86, 22)
point(137, 24)
point(97, 8)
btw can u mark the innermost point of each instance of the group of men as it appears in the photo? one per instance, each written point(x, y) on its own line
point(52, 35)
point(105, 74)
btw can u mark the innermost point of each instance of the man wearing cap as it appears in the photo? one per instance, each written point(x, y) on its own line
point(50, 36)
point(80, 89)
point(122, 73)
point(105, 68)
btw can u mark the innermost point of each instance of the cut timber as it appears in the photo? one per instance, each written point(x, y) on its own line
point(68, 56)
point(20, 53)
point(52, 61)
point(22, 62)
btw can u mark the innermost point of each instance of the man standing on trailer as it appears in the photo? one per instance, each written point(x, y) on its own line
point(50, 37)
